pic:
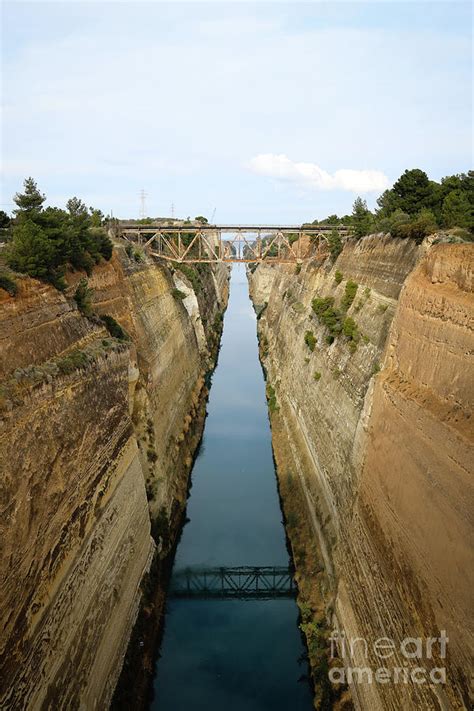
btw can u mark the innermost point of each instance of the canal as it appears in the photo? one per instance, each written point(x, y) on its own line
point(233, 654)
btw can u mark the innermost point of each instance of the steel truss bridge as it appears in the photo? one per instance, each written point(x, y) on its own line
point(226, 243)
point(233, 582)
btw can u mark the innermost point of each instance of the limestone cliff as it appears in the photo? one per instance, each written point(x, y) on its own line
point(368, 365)
point(96, 440)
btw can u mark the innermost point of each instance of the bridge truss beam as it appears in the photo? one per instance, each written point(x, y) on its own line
point(233, 582)
point(207, 244)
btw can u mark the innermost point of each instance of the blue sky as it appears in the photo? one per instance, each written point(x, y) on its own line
point(268, 112)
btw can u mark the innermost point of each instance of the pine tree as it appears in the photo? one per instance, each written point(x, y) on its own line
point(457, 210)
point(362, 219)
point(31, 200)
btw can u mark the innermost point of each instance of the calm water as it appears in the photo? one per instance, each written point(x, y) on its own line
point(233, 655)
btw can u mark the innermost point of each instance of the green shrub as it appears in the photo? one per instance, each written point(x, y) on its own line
point(349, 295)
point(151, 455)
point(350, 330)
point(179, 295)
point(191, 274)
point(335, 244)
point(83, 297)
point(8, 284)
point(338, 276)
point(305, 612)
point(310, 340)
point(328, 315)
point(317, 375)
point(297, 268)
point(271, 398)
point(73, 361)
point(114, 328)
point(160, 528)
point(129, 250)
point(298, 307)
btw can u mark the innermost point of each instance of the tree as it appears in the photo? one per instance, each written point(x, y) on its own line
point(45, 241)
point(395, 224)
point(203, 220)
point(97, 217)
point(4, 219)
point(362, 219)
point(388, 202)
point(335, 244)
point(31, 252)
point(76, 207)
point(424, 224)
point(457, 210)
point(31, 200)
point(413, 191)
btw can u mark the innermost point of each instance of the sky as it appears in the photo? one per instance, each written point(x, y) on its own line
point(262, 112)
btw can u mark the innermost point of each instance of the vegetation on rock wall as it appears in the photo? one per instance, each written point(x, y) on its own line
point(42, 242)
point(414, 207)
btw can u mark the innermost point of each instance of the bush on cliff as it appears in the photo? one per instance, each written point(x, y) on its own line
point(349, 294)
point(114, 328)
point(83, 297)
point(335, 244)
point(45, 241)
point(310, 340)
point(8, 284)
point(328, 315)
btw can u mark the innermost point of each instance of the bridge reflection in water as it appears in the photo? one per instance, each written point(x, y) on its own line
point(243, 582)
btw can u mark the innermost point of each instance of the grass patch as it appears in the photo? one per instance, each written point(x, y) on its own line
point(338, 276)
point(298, 307)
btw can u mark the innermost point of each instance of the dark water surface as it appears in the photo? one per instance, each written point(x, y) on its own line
point(233, 655)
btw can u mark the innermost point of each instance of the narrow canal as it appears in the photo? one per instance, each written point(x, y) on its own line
point(233, 654)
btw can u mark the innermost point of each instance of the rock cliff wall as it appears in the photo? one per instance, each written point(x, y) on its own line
point(371, 418)
point(96, 441)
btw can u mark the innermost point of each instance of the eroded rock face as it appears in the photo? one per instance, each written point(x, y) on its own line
point(384, 458)
point(93, 444)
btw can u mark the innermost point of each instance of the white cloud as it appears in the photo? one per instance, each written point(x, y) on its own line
point(311, 175)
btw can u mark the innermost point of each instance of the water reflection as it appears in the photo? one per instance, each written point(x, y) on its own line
point(233, 654)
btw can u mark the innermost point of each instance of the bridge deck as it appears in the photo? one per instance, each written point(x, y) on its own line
point(285, 229)
point(233, 582)
point(189, 244)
